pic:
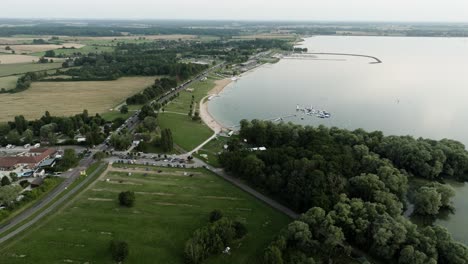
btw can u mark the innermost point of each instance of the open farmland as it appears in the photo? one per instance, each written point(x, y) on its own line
point(68, 98)
point(13, 58)
point(19, 68)
point(169, 207)
point(8, 83)
point(82, 50)
point(20, 49)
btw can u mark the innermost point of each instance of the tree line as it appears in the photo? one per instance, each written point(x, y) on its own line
point(46, 128)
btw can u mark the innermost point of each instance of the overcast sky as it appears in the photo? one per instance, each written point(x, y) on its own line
point(356, 10)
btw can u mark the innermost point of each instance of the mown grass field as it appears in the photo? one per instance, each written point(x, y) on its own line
point(181, 103)
point(169, 208)
point(19, 68)
point(68, 98)
point(8, 82)
point(188, 134)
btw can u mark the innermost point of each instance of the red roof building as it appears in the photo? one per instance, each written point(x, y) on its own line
point(30, 159)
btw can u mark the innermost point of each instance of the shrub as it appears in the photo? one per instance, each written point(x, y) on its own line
point(215, 215)
point(127, 199)
point(119, 250)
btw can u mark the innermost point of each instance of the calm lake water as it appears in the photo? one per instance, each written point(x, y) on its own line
point(420, 89)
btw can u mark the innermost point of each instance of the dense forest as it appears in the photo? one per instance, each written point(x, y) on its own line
point(358, 181)
point(130, 60)
point(162, 58)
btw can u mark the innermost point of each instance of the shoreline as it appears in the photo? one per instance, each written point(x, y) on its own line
point(205, 114)
point(220, 85)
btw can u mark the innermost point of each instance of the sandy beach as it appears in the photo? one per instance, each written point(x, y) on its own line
point(205, 114)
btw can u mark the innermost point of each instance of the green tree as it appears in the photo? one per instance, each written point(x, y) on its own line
point(446, 193)
point(272, 256)
point(13, 137)
point(69, 160)
point(127, 198)
point(9, 193)
point(167, 143)
point(427, 201)
point(124, 109)
point(119, 250)
point(150, 123)
point(49, 53)
point(28, 136)
point(5, 181)
point(215, 215)
point(13, 176)
point(20, 124)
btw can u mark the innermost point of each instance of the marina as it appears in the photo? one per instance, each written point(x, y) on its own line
point(311, 111)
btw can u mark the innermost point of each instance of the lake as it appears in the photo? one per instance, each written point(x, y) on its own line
point(420, 89)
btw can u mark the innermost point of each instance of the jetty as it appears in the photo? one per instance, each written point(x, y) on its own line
point(312, 55)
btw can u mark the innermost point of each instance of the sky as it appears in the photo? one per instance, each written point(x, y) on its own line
point(310, 10)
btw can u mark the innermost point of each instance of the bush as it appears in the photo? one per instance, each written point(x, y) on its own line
point(240, 228)
point(5, 181)
point(215, 215)
point(119, 250)
point(127, 199)
point(24, 183)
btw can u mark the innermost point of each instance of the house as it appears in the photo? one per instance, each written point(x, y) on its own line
point(47, 163)
point(8, 163)
point(30, 159)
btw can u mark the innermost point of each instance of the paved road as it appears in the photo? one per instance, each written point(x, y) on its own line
point(51, 196)
point(248, 189)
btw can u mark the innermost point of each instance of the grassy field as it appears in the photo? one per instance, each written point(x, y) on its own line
point(19, 68)
point(8, 83)
point(181, 104)
point(67, 98)
point(186, 133)
point(83, 50)
point(212, 149)
point(169, 207)
point(112, 115)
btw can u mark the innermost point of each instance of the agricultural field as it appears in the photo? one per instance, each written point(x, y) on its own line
point(28, 49)
point(82, 50)
point(169, 207)
point(187, 134)
point(14, 58)
point(68, 98)
point(19, 68)
point(8, 83)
